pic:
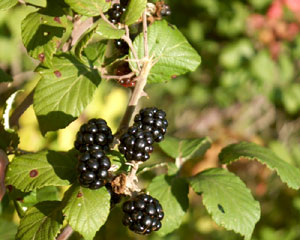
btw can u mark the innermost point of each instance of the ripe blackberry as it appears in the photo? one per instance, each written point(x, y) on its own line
point(116, 12)
point(152, 120)
point(114, 197)
point(93, 169)
point(143, 214)
point(94, 135)
point(121, 45)
point(165, 11)
point(136, 144)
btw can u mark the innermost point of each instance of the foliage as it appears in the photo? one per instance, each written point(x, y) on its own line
point(70, 47)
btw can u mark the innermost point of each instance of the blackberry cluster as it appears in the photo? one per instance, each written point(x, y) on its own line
point(152, 120)
point(114, 198)
point(116, 12)
point(93, 169)
point(150, 125)
point(136, 144)
point(143, 214)
point(165, 11)
point(94, 135)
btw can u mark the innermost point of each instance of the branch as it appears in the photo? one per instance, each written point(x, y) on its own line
point(128, 40)
point(108, 77)
point(80, 28)
point(145, 30)
point(66, 233)
point(17, 113)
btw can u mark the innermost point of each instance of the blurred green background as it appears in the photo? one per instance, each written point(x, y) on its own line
point(247, 88)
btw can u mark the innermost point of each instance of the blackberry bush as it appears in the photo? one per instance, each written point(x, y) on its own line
point(94, 135)
point(143, 214)
point(69, 41)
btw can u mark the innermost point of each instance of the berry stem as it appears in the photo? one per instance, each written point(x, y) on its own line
point(145, 31)
point(136, 95)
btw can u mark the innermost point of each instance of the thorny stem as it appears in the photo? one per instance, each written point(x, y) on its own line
point(128, 40)
point(147, 63)
point(108, 77)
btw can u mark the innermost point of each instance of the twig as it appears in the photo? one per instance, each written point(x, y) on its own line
point(106, 20)
point(3, 165)
point(17, 113)
point(66, 233)
point(128, 40)
point(108, 77)
point(136, 95)
point(146, 169)
point(145, 30)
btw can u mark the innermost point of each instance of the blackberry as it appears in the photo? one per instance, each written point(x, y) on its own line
point(94, 135)
point(152, 120)
point(143, 214)
point(93, 169)
point(165, 11)
point(114, 197)
point(136, 144)
point(121, 45)
point(116, 12)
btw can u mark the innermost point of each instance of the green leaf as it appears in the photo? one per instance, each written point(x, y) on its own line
point(41, 222)
point(39, 3)
point(48, 168)
point(83, 42)
point(8, 230)
point(228, 200)
point(288, 173)
point(172, 194)
point(6, 4)
point(134, 11)
point(95, 52)
point(169, 48)
point(107, 31)
point(89, 7)
point(4, 77)
point(41, 34)
point(185, 149)
point(86, 210)
point(63, 92)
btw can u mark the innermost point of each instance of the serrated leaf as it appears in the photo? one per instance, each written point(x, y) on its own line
point(95, 52)
point(185, 149)
point(6, 4)
point(169, 48)
point(83, 42)
point(288, 173)
point(86, 210)
point(41, 222)
point(47, 168)
point(134, 11)
point(107, 31)
point(89, 7)
point(41, 34)
point(39, 3)
point(63, 92)
point(228, 200)
point(4, 77)
point(172, 194)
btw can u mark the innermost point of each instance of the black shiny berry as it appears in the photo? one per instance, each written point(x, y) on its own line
point(142, 214)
